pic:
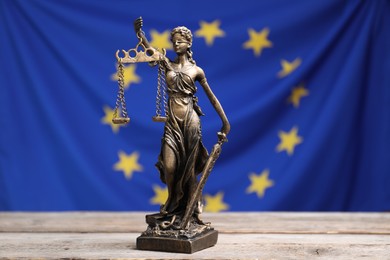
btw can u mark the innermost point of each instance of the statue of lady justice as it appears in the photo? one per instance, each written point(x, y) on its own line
point(183, 156)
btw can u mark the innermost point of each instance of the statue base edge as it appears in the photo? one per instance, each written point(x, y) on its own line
point(178, 245)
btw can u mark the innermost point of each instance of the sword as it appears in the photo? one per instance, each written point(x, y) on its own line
point(215, 152)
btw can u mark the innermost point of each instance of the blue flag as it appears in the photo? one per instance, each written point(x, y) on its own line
point(305, 85)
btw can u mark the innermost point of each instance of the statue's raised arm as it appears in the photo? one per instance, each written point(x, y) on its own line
point(143, 51)
point(138, 23)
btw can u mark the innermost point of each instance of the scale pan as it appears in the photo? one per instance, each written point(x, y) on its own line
point(159, 119)
point(121, 120)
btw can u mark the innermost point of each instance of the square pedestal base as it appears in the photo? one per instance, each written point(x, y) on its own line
point(178, 245)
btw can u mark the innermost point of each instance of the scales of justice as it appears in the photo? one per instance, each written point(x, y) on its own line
point(184, 163)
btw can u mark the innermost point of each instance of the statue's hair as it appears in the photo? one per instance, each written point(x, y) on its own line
point(184, 31)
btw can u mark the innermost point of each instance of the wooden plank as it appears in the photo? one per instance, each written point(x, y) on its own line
point(304, 223)
point(232, 222)
point(229, 246)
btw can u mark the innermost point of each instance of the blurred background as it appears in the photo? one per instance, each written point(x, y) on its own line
point(305, 85)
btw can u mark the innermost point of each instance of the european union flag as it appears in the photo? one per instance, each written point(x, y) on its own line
point(305, 85)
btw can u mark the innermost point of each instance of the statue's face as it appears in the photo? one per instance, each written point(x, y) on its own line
point(180, 43)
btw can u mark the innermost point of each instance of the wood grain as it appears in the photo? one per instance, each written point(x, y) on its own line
point(238, 222)
point(266, 235)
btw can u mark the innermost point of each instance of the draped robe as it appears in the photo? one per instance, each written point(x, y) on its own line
point(182, 134)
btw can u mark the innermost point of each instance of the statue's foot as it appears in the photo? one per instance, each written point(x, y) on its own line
point(163, 210)
point(199, 221)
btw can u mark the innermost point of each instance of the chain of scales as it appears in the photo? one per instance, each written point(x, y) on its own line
point(140, 54)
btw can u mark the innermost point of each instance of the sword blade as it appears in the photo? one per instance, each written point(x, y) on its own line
point(216, 151)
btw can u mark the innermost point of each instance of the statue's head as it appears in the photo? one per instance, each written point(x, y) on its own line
point(184, 31)
point(182, 35)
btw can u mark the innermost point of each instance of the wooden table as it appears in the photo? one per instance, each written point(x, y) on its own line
point(267, 235)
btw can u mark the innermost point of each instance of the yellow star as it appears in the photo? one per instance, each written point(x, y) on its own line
point(259, 183)
point(288, 140)
point(288, 67)
point(209, 31)
point(215, 203)
point(258, 40)
point(296, 94)
point(107, 119)
point(160, 40)
point(161, 195)
point(129, 75)
point(128, 164)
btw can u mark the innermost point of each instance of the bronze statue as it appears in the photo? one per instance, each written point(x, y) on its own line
point(177, 227)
